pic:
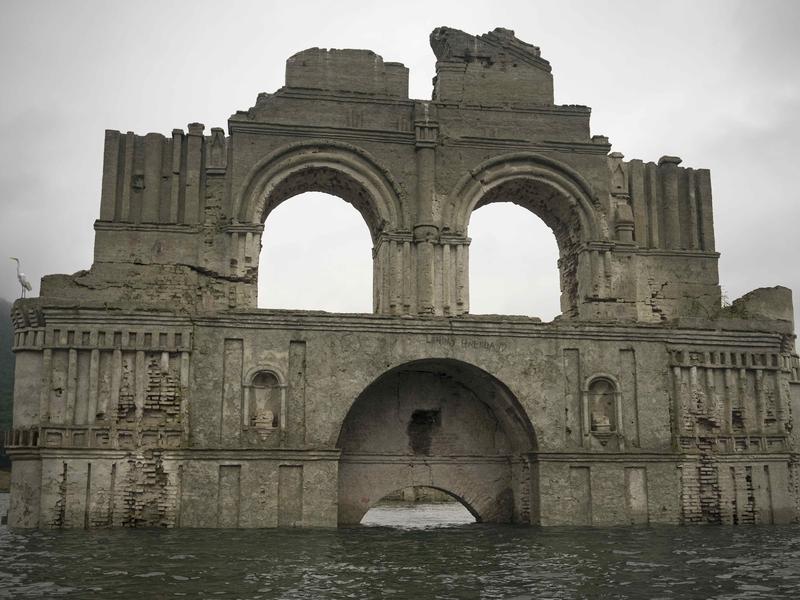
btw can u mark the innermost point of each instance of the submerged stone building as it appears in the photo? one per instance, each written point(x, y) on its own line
point(150, 390)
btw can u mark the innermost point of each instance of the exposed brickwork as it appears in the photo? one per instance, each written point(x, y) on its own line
point(148, 499)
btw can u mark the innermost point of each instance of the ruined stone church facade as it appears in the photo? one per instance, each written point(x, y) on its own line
point(150, 390)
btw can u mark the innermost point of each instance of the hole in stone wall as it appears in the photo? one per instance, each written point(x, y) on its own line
point(418, 507)
point(513, 263)
point(316, 254)
point(421, 428)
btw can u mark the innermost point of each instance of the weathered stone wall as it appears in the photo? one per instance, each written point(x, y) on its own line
point(151, 392)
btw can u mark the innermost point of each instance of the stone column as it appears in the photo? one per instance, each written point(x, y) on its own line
point(425, 230)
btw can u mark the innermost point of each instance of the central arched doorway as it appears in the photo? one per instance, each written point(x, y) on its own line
point(438, 423)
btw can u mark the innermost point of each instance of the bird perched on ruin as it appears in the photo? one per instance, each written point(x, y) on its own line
point(23, 281)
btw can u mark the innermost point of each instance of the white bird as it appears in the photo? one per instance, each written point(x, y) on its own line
point(23, 281)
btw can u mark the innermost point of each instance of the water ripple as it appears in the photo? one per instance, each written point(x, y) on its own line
point(404, 556)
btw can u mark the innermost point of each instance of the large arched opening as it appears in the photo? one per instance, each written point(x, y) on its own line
point(335, 170)
point(438, 423)
point(513, 263)
point(315, 255)
point(553, 192)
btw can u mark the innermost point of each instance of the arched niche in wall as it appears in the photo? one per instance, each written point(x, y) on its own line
point(264, 401)
point(602, 409)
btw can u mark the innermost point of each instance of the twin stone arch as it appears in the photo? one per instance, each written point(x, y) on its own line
point(553, 191)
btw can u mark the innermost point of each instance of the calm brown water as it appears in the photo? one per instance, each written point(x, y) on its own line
point(457, 561)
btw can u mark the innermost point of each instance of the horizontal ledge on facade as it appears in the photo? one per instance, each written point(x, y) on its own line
point(586, 458)
point(69, 453)
point(740, 457)
point(542, 109)
point(343, 96)
point(341, 133)
point(416, 459)
point(239, 454)
point(675, 253)
point(581, 458)
point(519, 144)
point(438, 327)
point(244, 228)
point(157, 227)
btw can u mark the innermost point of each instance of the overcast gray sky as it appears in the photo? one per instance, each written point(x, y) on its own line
point(717, 83)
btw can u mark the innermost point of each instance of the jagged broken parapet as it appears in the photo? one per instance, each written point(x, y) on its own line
point(769, 303)
point(491, 69)
point(347, 71)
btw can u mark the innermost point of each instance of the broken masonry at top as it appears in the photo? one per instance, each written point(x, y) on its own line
point(495, 68)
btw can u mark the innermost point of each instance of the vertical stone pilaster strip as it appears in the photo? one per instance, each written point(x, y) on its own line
point(175, 177)
point(727, 404)
point(185, 396)
point(706, 214)
point(629, 415)
point(230, 429)
point(396, 280)
point(194, 164)
point(760, 407)
point(653, 205)
point(742, 397)
point(460, 278)
point(677, 403)
point(574, 432)
point(377, 306)
point(140, 379)
point(94, 381)
point(44, 395)
point(108, 195)
point(152, 178)
point(668, 170)
point(72, 386)
point(407, 275)
point(127, 178)
point(425, 229)
point(116, 382)
point(694, 230)
point(638, 203)
point(447, 281)
point(295, 434)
